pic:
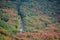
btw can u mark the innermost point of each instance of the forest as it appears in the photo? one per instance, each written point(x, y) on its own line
point(29, 19)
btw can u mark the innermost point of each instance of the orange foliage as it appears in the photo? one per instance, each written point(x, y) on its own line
point(10, 22)
point(10, 12)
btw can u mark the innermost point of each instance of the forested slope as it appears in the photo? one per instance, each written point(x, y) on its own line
point(41, 19)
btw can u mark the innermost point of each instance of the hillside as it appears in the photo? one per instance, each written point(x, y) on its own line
point(9, 23)
point(40, 19)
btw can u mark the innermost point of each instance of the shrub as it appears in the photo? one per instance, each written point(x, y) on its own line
point(1, 38)
point(5, 19)
point(37, 38)
point(56, 38)
point(6, 26)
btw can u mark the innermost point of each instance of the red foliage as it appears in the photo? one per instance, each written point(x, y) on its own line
point(43, 35)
